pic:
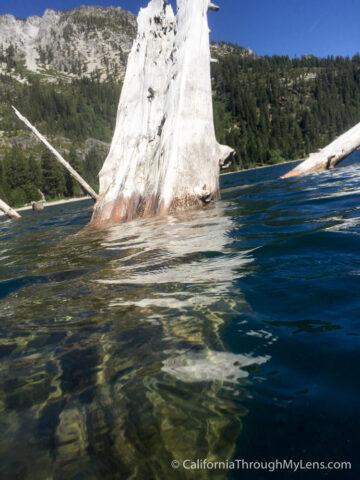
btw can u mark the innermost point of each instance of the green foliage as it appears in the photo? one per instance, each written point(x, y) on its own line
point(24, 177)
point(32, 193)
point(15, 168)
point(276, 157)
point(53, 176)
point(34, 172)
point(93, 162)
point(20, 178)
point(73, 188)
point(18, 197)
point(275, 108)
point(77, 110)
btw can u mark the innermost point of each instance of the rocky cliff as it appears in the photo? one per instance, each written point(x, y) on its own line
point(84, 42)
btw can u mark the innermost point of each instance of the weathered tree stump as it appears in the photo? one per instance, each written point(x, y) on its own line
point(164, 155)
point(37, 205)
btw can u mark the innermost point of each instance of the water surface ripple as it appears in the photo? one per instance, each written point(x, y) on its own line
point(225, 333)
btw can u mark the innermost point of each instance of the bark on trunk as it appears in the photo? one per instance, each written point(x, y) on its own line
point(329, 156)
point(8, 210)
point(57, 155)
point(164, 155)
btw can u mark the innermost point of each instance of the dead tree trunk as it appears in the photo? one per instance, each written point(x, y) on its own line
point(57, 155)
point(329, 156)
point(164, 155)
point(8, 210)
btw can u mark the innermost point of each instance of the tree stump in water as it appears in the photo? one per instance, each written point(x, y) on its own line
point(164, 155)
point(38, 205)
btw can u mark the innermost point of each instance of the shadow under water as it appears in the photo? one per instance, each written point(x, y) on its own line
point(114, 362)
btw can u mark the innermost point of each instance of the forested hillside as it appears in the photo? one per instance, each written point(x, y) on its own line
point(270, 109)
point(78, 117)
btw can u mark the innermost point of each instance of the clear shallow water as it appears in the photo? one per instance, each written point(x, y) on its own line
point(218, 334)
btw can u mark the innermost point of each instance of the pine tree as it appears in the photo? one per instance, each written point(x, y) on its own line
point(16, 168)
point(73, 188)
point(35, 174)
point(93, 162)
point(53, 178)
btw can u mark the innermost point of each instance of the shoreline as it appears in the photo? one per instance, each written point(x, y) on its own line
point(76, 199)
point(259, 168)
point(56, 202)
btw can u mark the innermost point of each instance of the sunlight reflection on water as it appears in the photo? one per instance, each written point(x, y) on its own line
point(122, 349)
point(109, 331)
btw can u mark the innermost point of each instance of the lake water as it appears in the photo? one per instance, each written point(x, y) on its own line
point(228, 333)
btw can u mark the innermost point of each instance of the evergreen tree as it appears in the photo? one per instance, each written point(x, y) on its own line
point(16, 168)
point(73, 187)
point(93, 162)
point(35, 174)
point(53, 178)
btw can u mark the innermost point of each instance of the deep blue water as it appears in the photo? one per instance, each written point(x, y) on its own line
point(225, 333)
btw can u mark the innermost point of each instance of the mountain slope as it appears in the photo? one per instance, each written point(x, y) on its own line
point(86, 41)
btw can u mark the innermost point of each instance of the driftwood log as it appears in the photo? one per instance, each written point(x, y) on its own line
point(329, 156)
point(11, 213)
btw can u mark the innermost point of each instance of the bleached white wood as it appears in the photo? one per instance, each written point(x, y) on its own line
point(11, 213)
point(214, 7)
point(57, 155)
point(329, 156)
point(164, 155)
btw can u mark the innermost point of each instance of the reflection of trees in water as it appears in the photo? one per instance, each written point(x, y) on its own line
point(128, 372)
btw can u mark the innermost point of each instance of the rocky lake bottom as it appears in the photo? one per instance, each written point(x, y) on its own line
point(221, 334)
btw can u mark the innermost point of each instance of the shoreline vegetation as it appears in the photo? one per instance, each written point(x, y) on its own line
point(270, 109)
point(52, 203)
